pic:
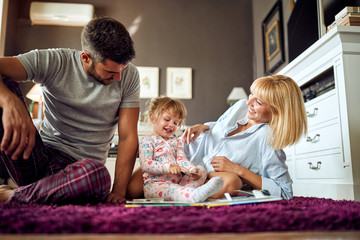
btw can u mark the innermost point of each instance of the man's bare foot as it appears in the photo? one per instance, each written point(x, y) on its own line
point(5, 192)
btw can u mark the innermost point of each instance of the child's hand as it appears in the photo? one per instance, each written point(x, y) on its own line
point(195, 174)
point(175, 169)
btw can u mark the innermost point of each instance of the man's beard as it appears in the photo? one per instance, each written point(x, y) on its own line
point(93, 73)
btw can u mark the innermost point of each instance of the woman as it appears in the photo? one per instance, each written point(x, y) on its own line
point(244, 146)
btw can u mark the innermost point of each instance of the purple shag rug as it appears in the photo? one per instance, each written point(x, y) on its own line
point(299, 214)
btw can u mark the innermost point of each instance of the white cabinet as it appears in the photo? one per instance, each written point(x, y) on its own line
point(143, 130)
point(326, 161)
point(110, 165)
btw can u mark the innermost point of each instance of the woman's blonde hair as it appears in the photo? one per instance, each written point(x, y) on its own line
point(160, 104)
point(289, 120)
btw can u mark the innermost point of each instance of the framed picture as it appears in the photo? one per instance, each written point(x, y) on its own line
point(292, 4)
point(149, 82)
point(273, 39)
point(179, 83)
point(272, 42)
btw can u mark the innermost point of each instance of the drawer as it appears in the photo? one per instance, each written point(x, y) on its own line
point(323, 138)
point(329, 166)
point(323, 108)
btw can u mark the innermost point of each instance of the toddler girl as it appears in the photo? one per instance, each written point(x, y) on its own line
point(168, 174)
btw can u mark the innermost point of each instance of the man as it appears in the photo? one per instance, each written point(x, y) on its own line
point(86, 94)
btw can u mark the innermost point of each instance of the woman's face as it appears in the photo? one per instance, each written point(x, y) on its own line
point(259, 111)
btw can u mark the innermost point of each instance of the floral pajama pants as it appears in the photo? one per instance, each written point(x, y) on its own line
point(174, 189)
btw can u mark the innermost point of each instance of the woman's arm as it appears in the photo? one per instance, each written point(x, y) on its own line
point(275, 177)
point(223, 164)
point(193, 132)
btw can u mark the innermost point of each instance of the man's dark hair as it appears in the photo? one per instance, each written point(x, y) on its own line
point(106, 38)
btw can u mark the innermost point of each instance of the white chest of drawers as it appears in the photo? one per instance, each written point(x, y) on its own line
point(326, 161)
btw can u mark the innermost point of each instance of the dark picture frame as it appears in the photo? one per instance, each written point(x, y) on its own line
point(292, 4)
point(273, 39)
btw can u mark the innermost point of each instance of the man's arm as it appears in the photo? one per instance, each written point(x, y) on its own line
point(127, 149)
point(19, 130)
point(11, 67)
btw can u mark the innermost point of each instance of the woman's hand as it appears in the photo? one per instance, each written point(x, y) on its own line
point(193, 132)
point(175, 169)
point(223, 164)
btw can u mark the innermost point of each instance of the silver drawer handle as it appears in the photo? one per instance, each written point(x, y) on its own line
point(318, 166)
point(315, 139)
point(311, 115)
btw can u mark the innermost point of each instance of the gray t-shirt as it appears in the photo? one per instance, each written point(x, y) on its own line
point(81, 114)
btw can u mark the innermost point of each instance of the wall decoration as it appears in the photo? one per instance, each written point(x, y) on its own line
point(179, 83)
point(273, 39)
point(292, 4)
point(149, 82)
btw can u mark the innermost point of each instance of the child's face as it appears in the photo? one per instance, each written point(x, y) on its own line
point(166, 124)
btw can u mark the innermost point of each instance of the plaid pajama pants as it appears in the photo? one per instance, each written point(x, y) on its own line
point(51, 176)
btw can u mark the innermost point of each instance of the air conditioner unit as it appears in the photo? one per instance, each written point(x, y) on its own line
point(63, 14)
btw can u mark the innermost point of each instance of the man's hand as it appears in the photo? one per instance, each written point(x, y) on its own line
point(115, 198)
point(19, 130)
point(193, 132)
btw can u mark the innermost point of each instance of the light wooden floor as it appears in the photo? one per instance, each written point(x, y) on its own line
point(245, 236)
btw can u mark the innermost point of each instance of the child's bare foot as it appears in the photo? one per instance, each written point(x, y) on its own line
point(5, 192)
